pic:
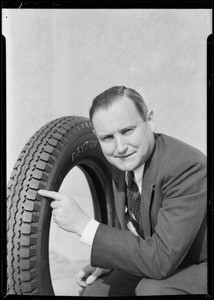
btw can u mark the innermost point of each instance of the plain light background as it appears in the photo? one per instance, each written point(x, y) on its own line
point(59, 60)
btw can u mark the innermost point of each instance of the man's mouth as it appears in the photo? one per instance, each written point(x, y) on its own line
point(124, 156)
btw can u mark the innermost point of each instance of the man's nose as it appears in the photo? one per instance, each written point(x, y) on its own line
point(121, 145)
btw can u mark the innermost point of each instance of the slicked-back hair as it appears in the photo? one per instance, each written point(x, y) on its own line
point(115, 93)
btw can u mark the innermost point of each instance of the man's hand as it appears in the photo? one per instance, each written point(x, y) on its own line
point(89, 274)
point(67, 214)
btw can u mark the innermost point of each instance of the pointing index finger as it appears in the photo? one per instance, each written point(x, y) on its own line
point(50, 194)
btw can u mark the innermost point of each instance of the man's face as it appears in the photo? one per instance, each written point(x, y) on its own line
point(125, 138)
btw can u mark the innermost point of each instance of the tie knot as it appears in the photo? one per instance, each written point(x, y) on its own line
point(130, 177)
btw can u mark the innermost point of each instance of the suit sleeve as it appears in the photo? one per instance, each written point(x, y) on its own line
point(179, 219)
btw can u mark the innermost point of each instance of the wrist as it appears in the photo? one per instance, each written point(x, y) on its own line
point(84, 222)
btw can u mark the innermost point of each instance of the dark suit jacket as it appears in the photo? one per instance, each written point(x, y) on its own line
point(173, 215)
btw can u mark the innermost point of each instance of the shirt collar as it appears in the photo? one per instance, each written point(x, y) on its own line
point(138, 173)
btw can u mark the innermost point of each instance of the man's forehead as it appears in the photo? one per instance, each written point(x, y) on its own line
point(120, 106)
point(108, 121)
point(116, 126)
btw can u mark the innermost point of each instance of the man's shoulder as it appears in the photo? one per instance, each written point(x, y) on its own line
point(178, 154)
point(174, 146)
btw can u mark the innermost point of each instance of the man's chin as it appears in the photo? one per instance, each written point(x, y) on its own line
point(124, 167)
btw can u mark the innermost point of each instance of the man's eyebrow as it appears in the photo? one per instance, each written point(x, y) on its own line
point(131, 126)
point(102, 136)
point(128, 127)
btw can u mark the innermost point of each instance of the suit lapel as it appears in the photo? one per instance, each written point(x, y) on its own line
point(149, 183)
point(119, 187)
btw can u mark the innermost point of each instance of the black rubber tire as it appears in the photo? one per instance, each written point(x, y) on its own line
point(43, 164)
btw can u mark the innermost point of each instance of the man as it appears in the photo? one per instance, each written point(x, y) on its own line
point(161, 247)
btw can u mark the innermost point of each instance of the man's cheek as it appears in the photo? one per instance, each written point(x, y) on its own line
point(107, 152)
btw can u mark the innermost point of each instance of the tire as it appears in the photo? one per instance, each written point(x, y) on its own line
point(43, 164)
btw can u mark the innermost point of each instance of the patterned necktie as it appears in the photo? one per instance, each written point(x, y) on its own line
point(133, 195)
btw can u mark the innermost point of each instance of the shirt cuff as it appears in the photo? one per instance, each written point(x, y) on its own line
point(88, 234)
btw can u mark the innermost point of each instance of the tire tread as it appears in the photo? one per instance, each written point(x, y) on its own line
point(29, 174)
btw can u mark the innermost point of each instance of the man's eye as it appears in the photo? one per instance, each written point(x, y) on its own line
point(127, 131)
point(107, 138)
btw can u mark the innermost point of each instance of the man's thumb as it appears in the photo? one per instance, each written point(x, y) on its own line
point(94, 276)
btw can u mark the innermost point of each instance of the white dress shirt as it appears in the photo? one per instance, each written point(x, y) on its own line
point(89, 232)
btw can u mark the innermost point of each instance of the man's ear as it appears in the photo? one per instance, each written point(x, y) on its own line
point(151, 121)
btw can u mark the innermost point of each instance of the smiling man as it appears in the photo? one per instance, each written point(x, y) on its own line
point(159, 187)
point(126, 139)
